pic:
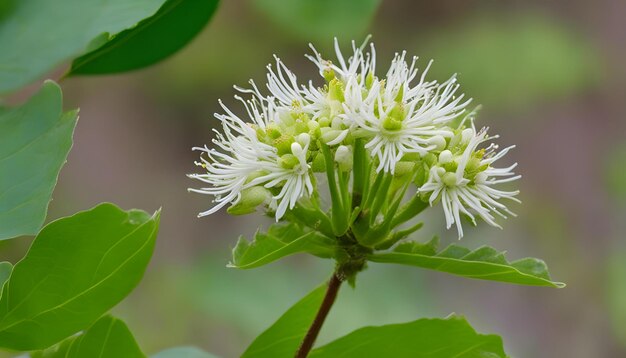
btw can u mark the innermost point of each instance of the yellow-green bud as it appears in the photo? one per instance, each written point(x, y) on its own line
point(449, 179)
point(430, 159)
point(273, 131)
point(391, 124)
point(288, 161)
point(250, 199)
point(324, 121)
point(283, 144)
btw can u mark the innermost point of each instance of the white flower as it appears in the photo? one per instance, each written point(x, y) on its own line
point(400, 118)
point(295, 181)
point(470, 188)
point(237, 155)
point(241, 161)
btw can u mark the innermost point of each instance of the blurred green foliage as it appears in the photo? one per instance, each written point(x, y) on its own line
point(512, 62)
point(319, 20)
point(615, 176)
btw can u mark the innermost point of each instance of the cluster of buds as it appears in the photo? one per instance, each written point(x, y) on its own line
point(372, 138)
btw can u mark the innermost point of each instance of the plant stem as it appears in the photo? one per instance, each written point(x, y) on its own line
point(314, 330)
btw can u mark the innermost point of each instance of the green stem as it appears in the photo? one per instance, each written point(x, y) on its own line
point(322, 313)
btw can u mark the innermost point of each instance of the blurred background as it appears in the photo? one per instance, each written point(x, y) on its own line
point(551, 79)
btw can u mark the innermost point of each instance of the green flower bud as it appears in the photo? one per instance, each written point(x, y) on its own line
point(391, 124)
point(324, 121)
point(430, 159)
point(283, 144)
point(272, 131)
point(449, 179)
point(288, 161)
point(250, 199)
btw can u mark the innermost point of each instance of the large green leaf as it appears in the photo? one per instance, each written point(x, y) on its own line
point(283, 338)
point(484, 263)
point(77, 269)
point(183, 352)
point(153, 39)
point(279, 241)
point(320, 19)
point(34, 142)
point(108, 337)
point(432, 338)
point(38, 35)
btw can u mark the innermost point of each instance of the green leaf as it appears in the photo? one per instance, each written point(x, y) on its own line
point(5, 272)
point(279, 241)
point(153, 39)
point(283, 338)
point(432, 338)
point(77, 269)
point(320, 19)
point(38, 35)
point(108, 337)
point(34, 142)
point(484, 263)
point(183, 352)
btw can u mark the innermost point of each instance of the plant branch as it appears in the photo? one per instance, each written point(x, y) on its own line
point(316, 326)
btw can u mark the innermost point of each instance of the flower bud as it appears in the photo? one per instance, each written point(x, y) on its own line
point(296, 148)
point(329, 135)
point(250, 199)
point(303, 139)
point(283, 144)
point(288, 161)
point(449, 179)
point(343, 157)
point(438, 141)
point(466, 135)
point(445, 157)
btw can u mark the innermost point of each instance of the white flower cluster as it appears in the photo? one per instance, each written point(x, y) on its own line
point(270, 155)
